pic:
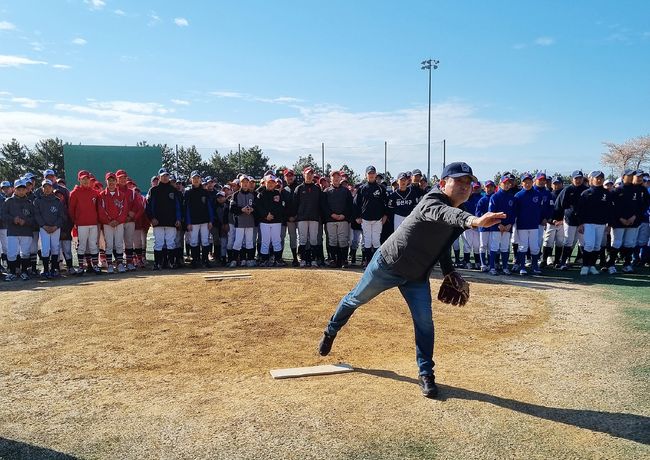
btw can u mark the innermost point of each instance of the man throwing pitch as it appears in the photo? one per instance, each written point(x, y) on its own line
point(406, 259)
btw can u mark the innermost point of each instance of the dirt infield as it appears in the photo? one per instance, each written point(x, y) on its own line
point(176, 367)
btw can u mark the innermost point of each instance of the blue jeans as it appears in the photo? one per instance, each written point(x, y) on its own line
point(377, 278)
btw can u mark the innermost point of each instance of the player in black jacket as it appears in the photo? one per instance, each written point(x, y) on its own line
point(592, 211)
point(370, 212)
point(199, 215)
point(306, 204)
point(565, 203)
point(164, 211)
point(336, 204)
point(270, 213)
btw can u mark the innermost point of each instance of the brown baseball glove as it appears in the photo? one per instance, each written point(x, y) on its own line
point(454, 290)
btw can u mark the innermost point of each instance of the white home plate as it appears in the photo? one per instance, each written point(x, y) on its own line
point(312, 370)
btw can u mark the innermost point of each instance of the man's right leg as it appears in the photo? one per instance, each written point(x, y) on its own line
point(377, 278)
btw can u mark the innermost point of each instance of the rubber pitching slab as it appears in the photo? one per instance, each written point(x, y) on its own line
point(310, 371)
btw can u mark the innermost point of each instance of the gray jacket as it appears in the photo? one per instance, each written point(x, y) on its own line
point(49, 210)
point(240, 200)
point(425, 237)
point(18, 207)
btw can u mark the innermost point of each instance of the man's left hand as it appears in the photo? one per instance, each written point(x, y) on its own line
point(454, 290)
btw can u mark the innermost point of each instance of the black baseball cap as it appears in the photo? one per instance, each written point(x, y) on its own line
point(416, 172)
point(458, 169)
point(371, 169)
point(402, 175)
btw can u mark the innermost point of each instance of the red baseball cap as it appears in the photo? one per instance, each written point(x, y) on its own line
point(83, 173)
point(308, 169)
point(109, 175)
point(120, 173)
point(289, 172)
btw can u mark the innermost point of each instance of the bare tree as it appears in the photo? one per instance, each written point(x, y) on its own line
point(632, 154)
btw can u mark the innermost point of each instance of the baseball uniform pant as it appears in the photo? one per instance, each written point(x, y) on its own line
point(471, 243)
point(244, 238)
point(624, 237)
point(199, 231)
point(50, 242)
point(308, 232)
point(164, 236)
point(18, 245)
point(338, 234)
point(3, 240)
point(114, 237)
point(371, 233)
point(528, 239)
point(271, 235)
point(593, 236)
point(87, 240)
point(553, 236)
point(499, 242)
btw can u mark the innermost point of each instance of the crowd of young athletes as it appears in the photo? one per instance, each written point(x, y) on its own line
point(246, 221)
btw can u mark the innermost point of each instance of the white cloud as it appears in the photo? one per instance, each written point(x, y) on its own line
point(17, 61)
point(79, 41)
point(544, 41)
point(119, 12)
point(126, 122)
point(249, 97)
point(5, 25)
point(180, 102)
point(181, 22)
point(153, 18)
point(37, 46)
point(61, 66)
point(95, 4)
point(27, 102)
point(519, 46)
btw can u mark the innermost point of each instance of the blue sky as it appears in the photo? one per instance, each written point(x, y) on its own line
point(520, 85)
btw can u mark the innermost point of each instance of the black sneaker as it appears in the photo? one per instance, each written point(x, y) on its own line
point(428, 385)
point(325, 344)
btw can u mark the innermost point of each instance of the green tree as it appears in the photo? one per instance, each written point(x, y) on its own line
point(189, 159)
point(223, 168)
point(253, 161)
point(304, 162)
point(47, 154)
point(13, 160)
point(353, 177)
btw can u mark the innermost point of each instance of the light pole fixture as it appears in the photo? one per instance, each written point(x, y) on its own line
point(429, 64)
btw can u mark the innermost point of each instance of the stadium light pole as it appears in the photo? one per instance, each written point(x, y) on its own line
point(429, 64)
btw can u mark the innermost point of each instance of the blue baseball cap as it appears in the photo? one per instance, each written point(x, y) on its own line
point(629, 172)
point(525, 176)
point(195, 173)
point(490, 182)
point(163, 171)
point(540, 175)
point(5, 183)
point(49, 172)
point(19, 183)
point(458, 169)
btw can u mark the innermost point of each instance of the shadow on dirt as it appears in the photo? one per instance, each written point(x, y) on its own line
point(621, 425)
point(16, 450)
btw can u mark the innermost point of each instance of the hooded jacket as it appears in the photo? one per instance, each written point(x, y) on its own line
point(82, 208)
point(49, 210)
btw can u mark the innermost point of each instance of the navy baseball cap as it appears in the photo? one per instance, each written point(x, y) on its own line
point(402, 175)
point(557, 180)
point(576, 173)
point(163, 171)
point(46, 182)
point(153, 178)
point(194, 174)
point(416, 172)
point(490, 182)
point(172, 177)
point(5, 183)
point(608, 181)
point(525, 176)
point(458, 169)
point(639, 172)
point(596, 174)
point(629, 172)
point(540, 175)
point(371, 169)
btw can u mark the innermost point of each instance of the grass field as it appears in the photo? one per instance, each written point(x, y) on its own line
point(167, 365)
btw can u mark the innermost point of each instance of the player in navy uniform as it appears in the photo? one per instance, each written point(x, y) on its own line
point(593, 211)
point(402, 200)
point(370, 209)
point(502, 202)
point(565, 203)
point(528, 215)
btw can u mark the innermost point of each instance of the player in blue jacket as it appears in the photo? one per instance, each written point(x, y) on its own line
point(483, 233)
point(528, 215)
point(502, 201)
point(548, 208)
